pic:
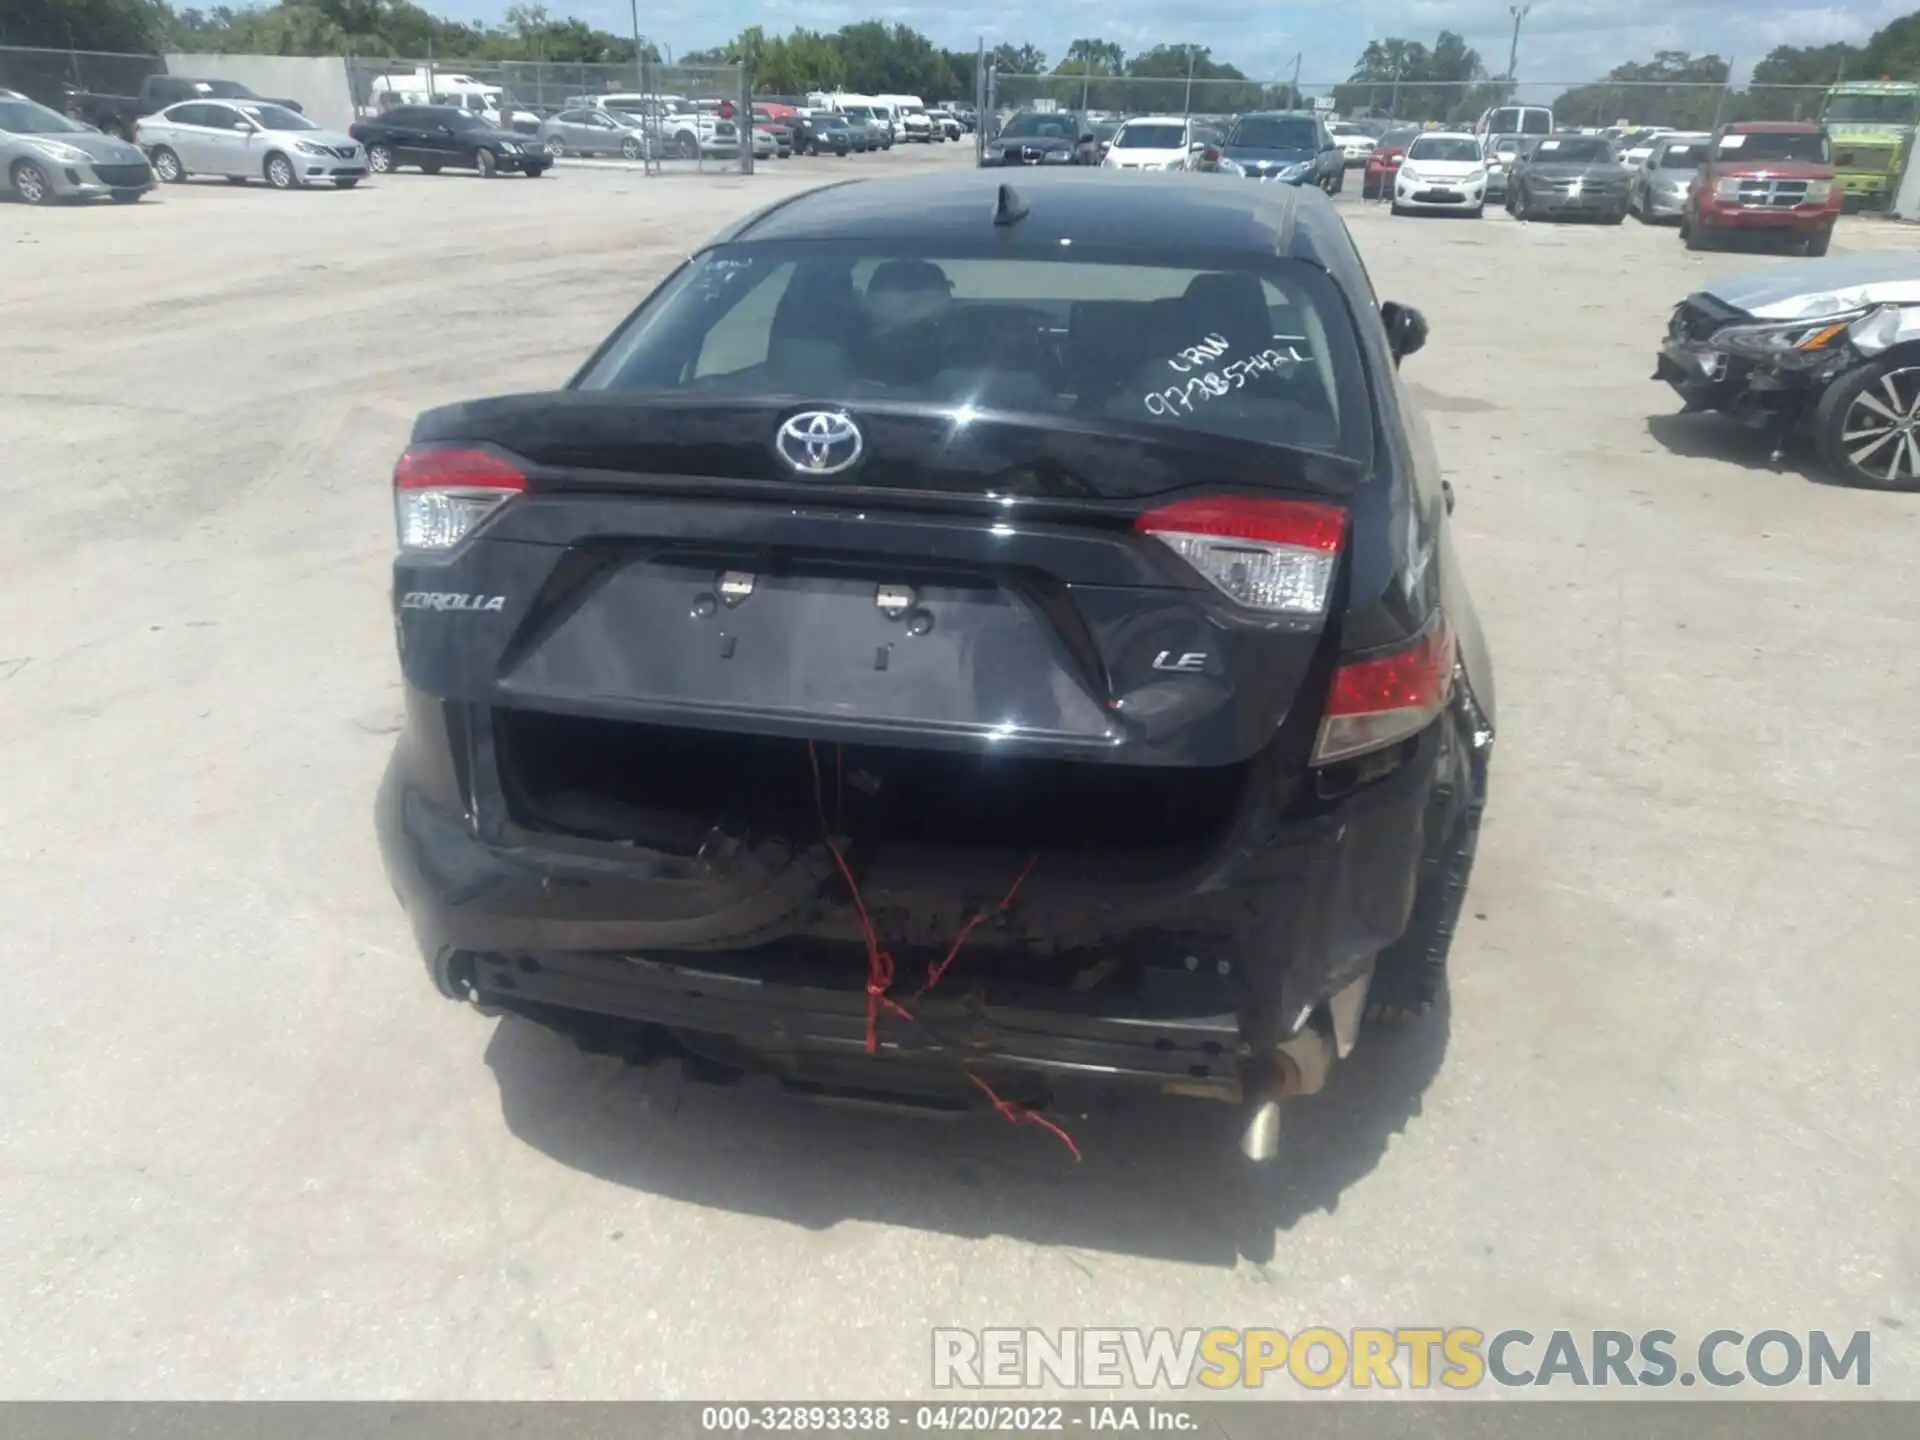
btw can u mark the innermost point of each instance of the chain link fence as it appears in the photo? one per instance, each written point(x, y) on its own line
point(1584, 104)
point(49, 76)
point(683, 118)
point(679, 117)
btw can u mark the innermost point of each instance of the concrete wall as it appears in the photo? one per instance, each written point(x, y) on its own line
point(319, 84)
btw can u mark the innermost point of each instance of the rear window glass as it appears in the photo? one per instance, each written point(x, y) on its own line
point(1266, 355)
point(1683, 157)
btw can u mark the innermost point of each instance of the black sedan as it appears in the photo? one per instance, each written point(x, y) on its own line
point(1043, 137)
point(1141, 739)
point(1570, 177)
point(444, 137)
point(826, 135)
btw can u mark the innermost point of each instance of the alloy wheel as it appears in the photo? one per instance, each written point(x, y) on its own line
point(1880, 433)
point(30, 183)
point(166, 165)
point(379, 159)
point(280, 173)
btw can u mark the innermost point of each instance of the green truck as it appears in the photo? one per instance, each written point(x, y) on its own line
point(1870, 124)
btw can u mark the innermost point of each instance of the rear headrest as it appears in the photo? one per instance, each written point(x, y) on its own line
point(1233, 305)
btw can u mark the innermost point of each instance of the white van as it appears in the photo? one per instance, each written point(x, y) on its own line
point(911, 118)
point(1515, 120)
point(450, 87)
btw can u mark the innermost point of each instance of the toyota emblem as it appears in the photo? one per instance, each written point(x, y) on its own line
point(819, 442)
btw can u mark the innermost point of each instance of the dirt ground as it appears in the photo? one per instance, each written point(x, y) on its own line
point(245, 1151)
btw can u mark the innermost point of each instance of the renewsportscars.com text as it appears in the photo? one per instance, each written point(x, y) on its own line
point(1404, 1358)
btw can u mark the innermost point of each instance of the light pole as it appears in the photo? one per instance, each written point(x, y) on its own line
point(1519, 13)
point(639, 74)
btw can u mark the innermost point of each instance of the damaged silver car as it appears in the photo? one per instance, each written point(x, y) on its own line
point(1826, 349)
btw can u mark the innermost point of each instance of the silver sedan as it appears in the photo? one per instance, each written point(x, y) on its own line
point(1661, 181)
point(46, 156)
point(244, 140)
point(591, 130)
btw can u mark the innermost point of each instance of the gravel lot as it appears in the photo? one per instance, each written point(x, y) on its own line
point(246, 1152)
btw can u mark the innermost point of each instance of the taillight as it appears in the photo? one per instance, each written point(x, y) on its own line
point(1388, 698)
point(1276, 556)
point(440, 495)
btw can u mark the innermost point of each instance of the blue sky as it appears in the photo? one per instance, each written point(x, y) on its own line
point(1561, 40)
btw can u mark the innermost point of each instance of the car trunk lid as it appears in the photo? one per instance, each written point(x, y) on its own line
point(1018, 587)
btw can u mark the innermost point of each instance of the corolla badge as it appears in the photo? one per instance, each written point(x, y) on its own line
point(819, 442)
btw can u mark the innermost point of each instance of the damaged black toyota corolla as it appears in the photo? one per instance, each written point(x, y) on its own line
point(953, 642)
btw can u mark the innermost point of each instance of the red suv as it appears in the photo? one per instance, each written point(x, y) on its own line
point(1772, 177)
point(1376, 181)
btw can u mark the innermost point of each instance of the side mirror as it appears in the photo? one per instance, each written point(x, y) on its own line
point(1089, 138)
point(1196, 147)
point(243, 127)
point(1406, 329)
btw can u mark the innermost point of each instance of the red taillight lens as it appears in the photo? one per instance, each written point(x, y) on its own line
point(440, 495)
point(1386, 699)
point(1276, 556)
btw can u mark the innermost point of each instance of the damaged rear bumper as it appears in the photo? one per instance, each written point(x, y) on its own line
point(523, 923)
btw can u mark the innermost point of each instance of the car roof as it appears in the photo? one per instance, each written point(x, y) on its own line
point(1147, 212)
point(1448, 135)
point(1773, 127)
point(1155, 120)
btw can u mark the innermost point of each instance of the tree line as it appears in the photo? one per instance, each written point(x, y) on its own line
point(1448, 82)
point(1406, 79)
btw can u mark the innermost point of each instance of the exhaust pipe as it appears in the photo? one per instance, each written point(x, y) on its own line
point(1299, 1067)
point(1260, 1139)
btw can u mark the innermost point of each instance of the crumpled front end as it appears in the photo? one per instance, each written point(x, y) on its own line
point(1764, 372)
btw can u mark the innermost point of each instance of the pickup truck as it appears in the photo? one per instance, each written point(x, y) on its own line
point(1764, 177)
point(115, 114)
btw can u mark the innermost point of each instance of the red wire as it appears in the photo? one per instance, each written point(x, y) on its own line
point(879, 962)
point(880, 965)
point(1020, 1115)
point(934, 974)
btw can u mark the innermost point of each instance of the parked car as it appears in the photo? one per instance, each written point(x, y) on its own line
point(947, 123)
point(243, 140)
point(1043, 137)
point(1217, 791)
point(777, 122)
point(46, 156)
point(1826, 349)
point(878, 129)
point(1637, 145)
point(1376, 180)
point(1151, 142)
point(1355, 143)
point(917, 125)
point(1570, 176)
point(1658, 191)
point(829, 134)
point(594, 131)
point(442, 137)
point(676, 126)
point(1290, 147)
point(1764, 177)
point(1442, 171)
point(115, 114)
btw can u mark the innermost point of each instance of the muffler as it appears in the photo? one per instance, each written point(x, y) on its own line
point(1300, 1067)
